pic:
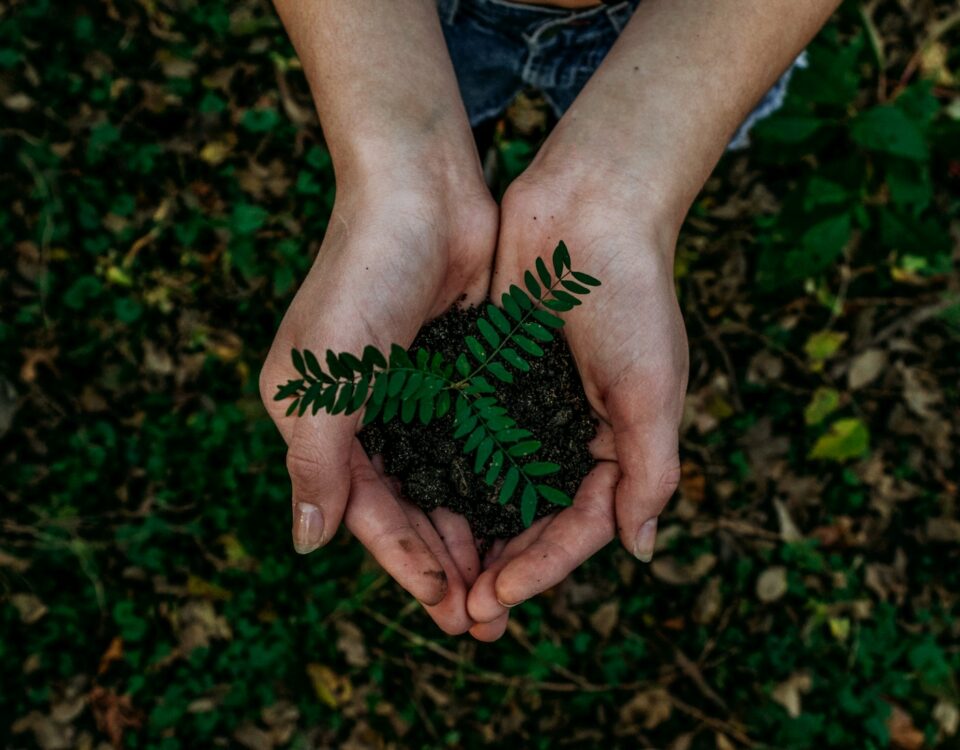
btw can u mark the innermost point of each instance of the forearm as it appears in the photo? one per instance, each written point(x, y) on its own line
point(383, 84)
point(676, 85)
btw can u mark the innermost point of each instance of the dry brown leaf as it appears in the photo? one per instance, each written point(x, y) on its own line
point(654, 705)
point(865, 368)
point(947, 716)
point(333, 689)
point(253, 737)
point(772, 584)
point(709, 602)
point(351, 644)
point(605, 619)
point(29, 607)
point(114, 713)
point(788, 692)
point(668, 570)
point(903, 734)
point(113, 653)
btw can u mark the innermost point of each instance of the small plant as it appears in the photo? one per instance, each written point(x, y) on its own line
point(422, 385)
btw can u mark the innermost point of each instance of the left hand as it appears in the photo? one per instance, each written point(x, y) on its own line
point(630, 347)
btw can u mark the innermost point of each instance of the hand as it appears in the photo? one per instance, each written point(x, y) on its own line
point(401, 248)
point(630, 347)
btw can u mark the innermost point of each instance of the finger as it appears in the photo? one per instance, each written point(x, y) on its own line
point(375, 517)
point(490, 631)
point(455, 533)
point(575, 535)
point(450, 613)
point(603, 447)
point(482, 603)
point(649, 458)
point(319, 464)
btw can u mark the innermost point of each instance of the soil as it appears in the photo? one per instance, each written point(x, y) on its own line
point(430, 464)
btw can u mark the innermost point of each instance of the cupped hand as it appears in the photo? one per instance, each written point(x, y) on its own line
point(630, 347)
point(395, 255)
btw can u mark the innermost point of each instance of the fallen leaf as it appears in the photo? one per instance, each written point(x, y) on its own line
point(772, 584)
point(653, 705)
point(788, 693)
point(865, 368)
point(114, 714)
point(824, 402)
point(668, 570)
point(709, 602)
point(788, 529)
point(113, 653)
point(351, 644)
point(29, 606)
point(253, 737)
point(903, 734)
point(823, 345)
point(605, 619)
point(333, 689)
point(845, 440)
point(947, 716)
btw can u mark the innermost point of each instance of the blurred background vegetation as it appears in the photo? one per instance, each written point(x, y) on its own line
point(164, 187)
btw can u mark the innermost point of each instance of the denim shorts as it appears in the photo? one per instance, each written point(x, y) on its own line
point(500, 48)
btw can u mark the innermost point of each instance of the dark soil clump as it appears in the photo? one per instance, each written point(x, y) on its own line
point(430, 464)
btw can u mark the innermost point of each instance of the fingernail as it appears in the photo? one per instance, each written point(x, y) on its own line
point(646, 538)
point(508, 606)
point(307, 528)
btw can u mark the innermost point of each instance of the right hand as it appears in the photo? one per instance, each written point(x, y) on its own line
point(401, 248)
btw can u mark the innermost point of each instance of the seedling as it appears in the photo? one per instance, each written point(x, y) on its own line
point(422, 385)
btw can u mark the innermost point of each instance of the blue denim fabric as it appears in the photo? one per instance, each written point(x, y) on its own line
point(499, 48)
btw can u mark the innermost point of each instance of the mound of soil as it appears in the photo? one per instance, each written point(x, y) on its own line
point(430, 464)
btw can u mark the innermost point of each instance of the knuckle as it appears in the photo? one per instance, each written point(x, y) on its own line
point(302, 467)
point(670, 480)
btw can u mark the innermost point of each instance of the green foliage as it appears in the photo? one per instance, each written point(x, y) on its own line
point(422, 385)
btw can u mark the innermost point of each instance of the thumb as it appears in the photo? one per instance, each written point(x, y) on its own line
point(318, 461)
point(649, 458)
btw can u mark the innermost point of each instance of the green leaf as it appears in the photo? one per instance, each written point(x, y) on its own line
point(543, 273)
point(288, 389)
point(408, 410)
point(480, 384)
point(520, 297)
point(390, 409)
point(498, 318)
point(847, 439)
point(359, 393)
point(373, 357)
point(380, 387)
point(412, 387)
point(443, 403)
point(399, 357)
point(565, 297)
point(488, 332)
point(351, 363)
point(575, 288)
point(553, 495)
point(537, 331)
point(524, 449)
point(513, 435)
point(484, 451)
point(511, 306)
point(530, 347)
point(474, 440)
point(329, 394)
point(426, 409)
point(561, 258)
point(298, 364)
point(371, 412)
point(509, 485)
point(888, 129)
point(532, 286)
point(397, 379)
point(335, 368)
point(788, 129)
point(423, 357)
point(313, 365)
point(496, 463)
point(500, 372)
point(540, 469)
point(293, 406)
point(514, 359)
point(463, 365)
point(465, 427)
point(528, 505)
point(824, 402)
point(556, 305)
point(500, 423)
point(547, 319)
point(343, 398)
point(587, 279)
point(476, 349)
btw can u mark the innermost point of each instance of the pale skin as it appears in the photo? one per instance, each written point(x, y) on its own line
point(414, 228)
